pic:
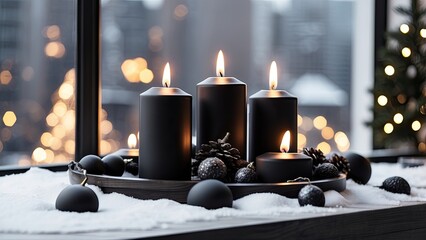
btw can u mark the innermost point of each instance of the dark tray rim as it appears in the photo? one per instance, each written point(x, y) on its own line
point(177, 190)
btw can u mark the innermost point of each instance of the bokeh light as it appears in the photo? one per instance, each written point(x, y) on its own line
point(398, 118)
point(9, 118)
point(320, 122)
point(382, 100)
point(406, 52)
point(388, 128)
point(389, 70)
point(327, 133)
point(416, 125)
point(324, 147)
point(404, 28)
point(5, 77)
point(54, 49)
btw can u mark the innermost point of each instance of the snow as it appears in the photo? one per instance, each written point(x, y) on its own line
point(28, 203)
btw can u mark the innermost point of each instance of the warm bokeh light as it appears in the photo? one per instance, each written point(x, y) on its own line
point(220, 65)
point(285, 142)
point(59, 131)
point(46, 139)
point(423, 33)
point(52, 32)
point(406, 52)
point(9, 118)
point(342, 141)
point(56, 144)
point(70, 76)
point(389, 70)
point(132, 141)
point(54, 49)
point(130, 70)
point(166, 75)
point(324, 147)
point(60, 108)
point(327, 133)
point(180, 12)
point(50, 155)
point(39, 154)
point(301, 141)
point(404, 28)
point(5, 77)
point(388, 128)
point(320, 122)
point(273, 76)
point(106, 127)
point(401, 98)
point(105, 147)
point(70, 146)
point(422, 147)
point(416, 125)
point(146, 76)
point(52, 120)
point(299, 120)
point(66, 91)
point(398, 118)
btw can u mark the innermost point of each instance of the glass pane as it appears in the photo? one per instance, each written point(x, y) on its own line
point(37, 53)
point(311, 41)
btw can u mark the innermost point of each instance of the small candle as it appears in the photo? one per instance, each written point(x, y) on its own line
point(273, 167)
point(222, 108)
point(165, 132)
point(270, 110)
point(131, 152)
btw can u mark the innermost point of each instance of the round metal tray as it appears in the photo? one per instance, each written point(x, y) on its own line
point(178, 190)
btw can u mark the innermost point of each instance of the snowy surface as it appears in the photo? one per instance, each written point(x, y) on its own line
point(28, 204)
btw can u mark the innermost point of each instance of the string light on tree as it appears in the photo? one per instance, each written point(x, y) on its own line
point(382, 100)
point(389, 70)
point(404, 28)
point(398, 118)
point(388, 128)
point(423, 33)
point(416, 125)
point(406, 52)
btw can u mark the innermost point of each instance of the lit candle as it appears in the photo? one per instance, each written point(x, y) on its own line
point(131, 152)
point(165, 132)
point(270, 110)
point(273, 167)
point(222, 108)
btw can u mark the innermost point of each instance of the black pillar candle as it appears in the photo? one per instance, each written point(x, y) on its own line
point(222, 108)
point(271, 113)
point(165, 132)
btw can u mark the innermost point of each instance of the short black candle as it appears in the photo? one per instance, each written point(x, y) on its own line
point(165, 134)
point(271, 113)
point(222, 108)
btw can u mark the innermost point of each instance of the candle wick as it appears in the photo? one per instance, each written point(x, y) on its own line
point(221, 75)
point(167, 85)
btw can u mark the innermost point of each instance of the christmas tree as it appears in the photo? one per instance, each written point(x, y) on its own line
point(400, 84)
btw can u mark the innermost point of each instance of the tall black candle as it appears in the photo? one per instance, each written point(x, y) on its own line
point(222, 108)
point(165, 132)
point(271, 113)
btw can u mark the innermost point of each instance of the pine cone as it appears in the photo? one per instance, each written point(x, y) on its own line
point(222, 150)
point(317, 156)
point(340, 162)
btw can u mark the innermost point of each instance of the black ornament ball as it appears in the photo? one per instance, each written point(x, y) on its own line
point(396, 185)
point(114, 165)
point(212, 168)
point(93, 164)
point(245, 175)
point(325, 170)
point(77, 198)
point(210, 194)
point(311, 195)
point(360, 170)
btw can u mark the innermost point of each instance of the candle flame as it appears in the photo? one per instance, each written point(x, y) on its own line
point(131, 141)
point(166, 75)
point(273, 76)
point(285, 143)
point(220, 65)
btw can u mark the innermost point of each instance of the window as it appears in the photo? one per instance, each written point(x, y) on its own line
point(310, 40)
point(37, 51)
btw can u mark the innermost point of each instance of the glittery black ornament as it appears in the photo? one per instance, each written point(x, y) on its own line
point(246, 174)
point(93, 164)
point(114, 165)
point(396, 185)
point(325, 170)
point(212, 168)
point(210, 194)
point(360, 170)
point(311, 195)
